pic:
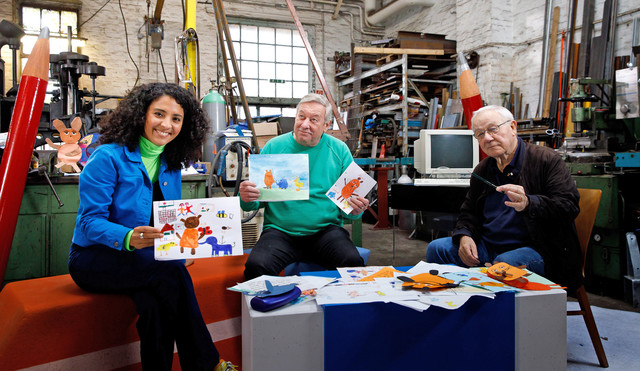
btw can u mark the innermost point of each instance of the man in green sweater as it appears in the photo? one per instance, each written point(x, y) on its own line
point(309, 230)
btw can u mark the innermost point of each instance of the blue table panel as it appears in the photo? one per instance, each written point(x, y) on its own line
point(386, 336)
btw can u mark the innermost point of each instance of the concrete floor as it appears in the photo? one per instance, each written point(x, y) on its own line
point(409, 252)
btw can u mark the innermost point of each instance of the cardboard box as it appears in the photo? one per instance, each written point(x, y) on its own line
point(265, 131)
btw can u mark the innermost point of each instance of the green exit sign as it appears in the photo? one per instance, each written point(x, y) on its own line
point(276, 81)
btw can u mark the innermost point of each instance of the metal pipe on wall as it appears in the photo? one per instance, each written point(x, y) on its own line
point(545, 55)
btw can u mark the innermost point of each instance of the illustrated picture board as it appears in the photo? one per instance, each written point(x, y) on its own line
point(280, 177)
point(198, 228)
point(353, 181)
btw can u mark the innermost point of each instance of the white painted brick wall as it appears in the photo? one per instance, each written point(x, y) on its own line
point(506, 33)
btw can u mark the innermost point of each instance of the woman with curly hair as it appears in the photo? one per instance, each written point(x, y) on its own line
point(154, 131)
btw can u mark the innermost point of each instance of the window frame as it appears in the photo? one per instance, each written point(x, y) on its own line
point(256, 102)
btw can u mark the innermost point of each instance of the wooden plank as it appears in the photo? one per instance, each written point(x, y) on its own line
point(553, 38)
point(371, 50)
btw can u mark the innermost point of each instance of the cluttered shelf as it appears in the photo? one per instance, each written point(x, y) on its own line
point(393, 90)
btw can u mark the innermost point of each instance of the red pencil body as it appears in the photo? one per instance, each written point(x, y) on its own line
point(17, 154)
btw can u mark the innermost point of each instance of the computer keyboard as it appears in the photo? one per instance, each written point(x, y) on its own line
point(450, 182)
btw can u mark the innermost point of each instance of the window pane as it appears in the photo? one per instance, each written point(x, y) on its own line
point(267, 70)
point(283, 36)
point(288, 112)
point(297, 40)
point(250, 87)
point(234, 30)
point(283, 72)
point(283, 90)
point(270, 111)
point(51, 19)
point(236, 49)
point(300, 72)
point(249, 51)
point(283, 54)
point(267, 53)
point(300, 89)
point(249, 33)
point(267, 35)
point(69, 19)
point(253, 111)
point(31, 19)
point(300, 55)
point(249, 70)
point(267, 89)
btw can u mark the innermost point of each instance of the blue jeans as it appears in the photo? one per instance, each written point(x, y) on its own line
point(444, 251)
point(331, 247)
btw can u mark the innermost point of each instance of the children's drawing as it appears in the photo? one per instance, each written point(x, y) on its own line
point(209, 229)
point(354, 181)
point(281, 177)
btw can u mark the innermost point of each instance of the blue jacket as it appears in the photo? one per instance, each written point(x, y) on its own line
point(116, 195)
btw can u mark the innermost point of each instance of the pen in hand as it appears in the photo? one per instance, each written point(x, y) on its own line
point(485, 181)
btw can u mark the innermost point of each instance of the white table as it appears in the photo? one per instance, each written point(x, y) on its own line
point(292, 337)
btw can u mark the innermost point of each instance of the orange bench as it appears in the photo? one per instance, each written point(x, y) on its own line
point(53, 324)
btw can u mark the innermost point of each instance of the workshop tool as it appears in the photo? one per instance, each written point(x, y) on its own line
point(22, 136)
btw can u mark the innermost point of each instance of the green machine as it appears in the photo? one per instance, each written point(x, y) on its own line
point(602, 153)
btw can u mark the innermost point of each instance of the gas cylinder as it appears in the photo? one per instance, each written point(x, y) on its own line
point(213, 105)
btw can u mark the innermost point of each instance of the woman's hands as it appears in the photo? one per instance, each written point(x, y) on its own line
point(143, 236)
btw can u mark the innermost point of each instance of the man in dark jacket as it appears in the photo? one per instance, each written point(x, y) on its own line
point(528, 219)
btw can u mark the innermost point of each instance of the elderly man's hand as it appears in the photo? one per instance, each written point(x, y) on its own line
point(468, 251)
point(248, 191)
point(517, 197)
point(359, 204)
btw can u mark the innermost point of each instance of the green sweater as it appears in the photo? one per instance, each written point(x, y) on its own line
point(327, 161)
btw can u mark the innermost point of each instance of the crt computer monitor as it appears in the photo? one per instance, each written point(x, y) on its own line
point(446, 151)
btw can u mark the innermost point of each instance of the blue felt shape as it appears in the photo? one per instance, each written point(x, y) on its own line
point(274, 290)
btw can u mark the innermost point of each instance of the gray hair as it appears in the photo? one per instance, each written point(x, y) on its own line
point(317, 98)
point(505, 113)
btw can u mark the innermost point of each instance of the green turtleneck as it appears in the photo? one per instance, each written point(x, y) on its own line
point(150, 157)
point(150, 154)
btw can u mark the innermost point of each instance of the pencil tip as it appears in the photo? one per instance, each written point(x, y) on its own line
point(44, 33)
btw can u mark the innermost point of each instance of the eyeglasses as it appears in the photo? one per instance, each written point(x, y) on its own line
point(493, 130)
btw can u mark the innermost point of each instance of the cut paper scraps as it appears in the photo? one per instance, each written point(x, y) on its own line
point(353, 182)
point(280, 177)
point(198, 228)
point(514, 276)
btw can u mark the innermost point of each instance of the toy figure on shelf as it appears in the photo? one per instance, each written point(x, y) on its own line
point(70, 152)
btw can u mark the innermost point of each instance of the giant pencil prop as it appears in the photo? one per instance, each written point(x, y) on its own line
point(469, 93)
point(20, 141)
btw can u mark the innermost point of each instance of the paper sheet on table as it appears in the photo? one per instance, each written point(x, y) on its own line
point(480, 280)
point(304, 283)
point(362, 292)
point(353, 274)
point(424, 267)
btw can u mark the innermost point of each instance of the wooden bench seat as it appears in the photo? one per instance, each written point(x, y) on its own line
point(50, 323)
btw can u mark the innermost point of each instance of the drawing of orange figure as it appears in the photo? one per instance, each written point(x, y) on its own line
point(268, 179)
point(190, 237)
point(349, 188)
point(70, 152)
point(298, 183)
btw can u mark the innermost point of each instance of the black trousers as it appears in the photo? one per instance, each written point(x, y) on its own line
point(331, 247)
point(164, 297)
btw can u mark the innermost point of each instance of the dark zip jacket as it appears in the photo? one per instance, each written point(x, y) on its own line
point(549, 217)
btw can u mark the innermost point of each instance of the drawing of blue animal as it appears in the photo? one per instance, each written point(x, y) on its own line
point(218, 249)
point(283, 184)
